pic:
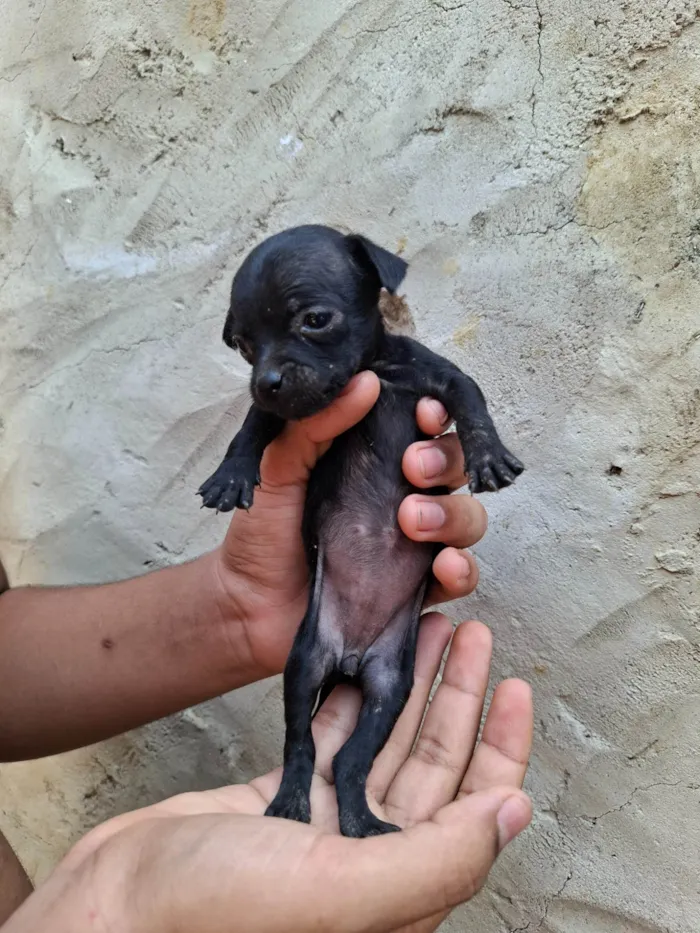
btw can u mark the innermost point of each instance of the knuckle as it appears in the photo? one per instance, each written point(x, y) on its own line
point(431, 750)
point(453, 451)
point(462, 883)
point(472, 581)
point(466, 517)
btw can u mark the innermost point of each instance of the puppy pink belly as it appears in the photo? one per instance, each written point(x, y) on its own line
point(355, 625)
point(359, 602)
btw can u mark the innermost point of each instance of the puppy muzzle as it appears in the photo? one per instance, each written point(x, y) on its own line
point(294, 391)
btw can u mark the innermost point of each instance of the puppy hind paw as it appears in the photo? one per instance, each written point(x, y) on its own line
point(291, 805)
point(361, 825)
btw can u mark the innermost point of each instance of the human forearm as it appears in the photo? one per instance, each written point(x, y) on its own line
point(15, 886)
point(80, 664)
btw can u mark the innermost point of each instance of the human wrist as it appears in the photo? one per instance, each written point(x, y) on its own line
point(237, 609)
point(64, 903)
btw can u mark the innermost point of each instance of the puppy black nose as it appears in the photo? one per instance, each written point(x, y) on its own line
point(269, 382)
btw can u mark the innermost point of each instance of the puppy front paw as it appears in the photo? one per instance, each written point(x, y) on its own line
point(231, 486)
point(490, 465)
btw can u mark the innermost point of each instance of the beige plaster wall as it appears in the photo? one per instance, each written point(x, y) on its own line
point(539, 165)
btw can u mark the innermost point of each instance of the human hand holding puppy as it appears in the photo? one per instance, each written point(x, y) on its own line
point(139, 649)
point(261, 568)
point(235, 610)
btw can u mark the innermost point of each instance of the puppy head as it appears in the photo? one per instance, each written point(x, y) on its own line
point(304, 313)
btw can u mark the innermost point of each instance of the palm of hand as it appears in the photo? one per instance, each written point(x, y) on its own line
point(214, 852)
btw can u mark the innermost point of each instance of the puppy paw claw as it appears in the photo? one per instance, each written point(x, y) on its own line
point(291, 806)
point(231, 486)
point(363, 825)
point(490, 466)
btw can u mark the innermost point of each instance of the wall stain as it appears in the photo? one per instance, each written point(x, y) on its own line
point(206, 17)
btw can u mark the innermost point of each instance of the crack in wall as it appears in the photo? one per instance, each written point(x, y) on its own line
point(107, 351)
point(533, 95)
point(36, 28)
point(449, 9)
point(637, 790)
point(553, 897)
point(555, 228)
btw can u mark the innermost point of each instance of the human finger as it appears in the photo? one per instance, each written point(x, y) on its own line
point(457, 521)
point(503, 752)
point(432, 775)
point(433, 638)
point(291, 456)
point(401, 878)
point(456, 575)
point(432, 416)
point(346, 410)
point(438, 462)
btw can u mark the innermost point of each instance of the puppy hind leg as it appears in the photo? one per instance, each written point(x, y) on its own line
point(385, 694)
point(307, 668)
point(387, 680)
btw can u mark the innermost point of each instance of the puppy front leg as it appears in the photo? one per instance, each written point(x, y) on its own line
point(488, 462)
point(231, 485)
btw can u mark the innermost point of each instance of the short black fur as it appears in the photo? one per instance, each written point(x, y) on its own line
point(304, 312)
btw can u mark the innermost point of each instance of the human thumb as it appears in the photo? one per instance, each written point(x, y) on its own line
point(432, 867)
point(353, 403)
point(295, 452)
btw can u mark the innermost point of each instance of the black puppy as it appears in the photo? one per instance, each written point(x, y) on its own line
point(304, 313)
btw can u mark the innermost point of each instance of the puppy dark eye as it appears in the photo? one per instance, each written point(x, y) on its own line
point(316, 320)
point(244, 348)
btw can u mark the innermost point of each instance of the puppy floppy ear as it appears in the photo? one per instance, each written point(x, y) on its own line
point(227, 335)
point(388, 268)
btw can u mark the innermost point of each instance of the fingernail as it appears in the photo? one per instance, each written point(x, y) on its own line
point(466, 569)
point(432, 461)
point(358, 379)
point(439, 411)
point(431, 516)
point(512, 819)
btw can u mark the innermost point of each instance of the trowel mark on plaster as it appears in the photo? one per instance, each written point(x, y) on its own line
point(570, 916)
point(632, 617)
point(468, 331)
point(115, 262)
point(637, 191)
point(587, 738)
point(641, 192)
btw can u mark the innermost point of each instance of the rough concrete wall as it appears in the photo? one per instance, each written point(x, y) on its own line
point(538, 163)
